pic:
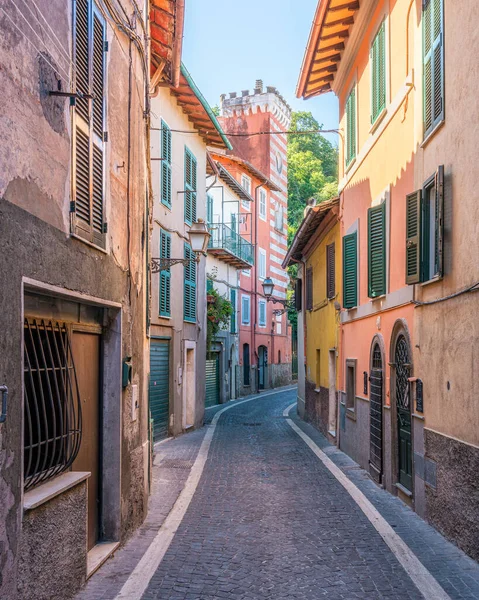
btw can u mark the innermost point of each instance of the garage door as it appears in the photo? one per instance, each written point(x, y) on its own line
point(159, 388)
point(213, 381)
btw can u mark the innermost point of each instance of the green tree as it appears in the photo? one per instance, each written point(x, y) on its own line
point(312, 168)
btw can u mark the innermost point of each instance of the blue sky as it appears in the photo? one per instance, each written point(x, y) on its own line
point(228, 44)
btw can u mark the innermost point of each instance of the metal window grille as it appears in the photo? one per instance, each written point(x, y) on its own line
point(53, 419)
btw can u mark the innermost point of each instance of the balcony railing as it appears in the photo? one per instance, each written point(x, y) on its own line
point(225, 239)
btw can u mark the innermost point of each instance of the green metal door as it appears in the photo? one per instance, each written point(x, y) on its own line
point(213, 381)
point(403, 407)
point(159, 388)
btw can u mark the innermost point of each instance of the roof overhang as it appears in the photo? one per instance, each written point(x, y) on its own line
point(310, 225)
point(166, 28)
point(231, 182)
point(327, 41)
point(199, 112)
point(253, 171)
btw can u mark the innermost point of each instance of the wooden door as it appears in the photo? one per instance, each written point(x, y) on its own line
point(86, 355)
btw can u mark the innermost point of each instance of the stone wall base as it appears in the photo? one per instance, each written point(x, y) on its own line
point(317, 407)
point(53, 557)
point(452, 490)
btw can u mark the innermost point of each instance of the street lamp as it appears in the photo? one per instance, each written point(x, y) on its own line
point(198, 237)
point(268, 288)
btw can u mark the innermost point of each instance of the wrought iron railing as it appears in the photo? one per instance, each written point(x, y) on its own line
point(223, 237)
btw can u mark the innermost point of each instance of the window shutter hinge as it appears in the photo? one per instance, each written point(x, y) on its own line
point(72, 206)
point(105, 227)
point(105, 46)
point(105, 136)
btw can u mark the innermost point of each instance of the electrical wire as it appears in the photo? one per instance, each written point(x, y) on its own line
point(256, 133)
point(472, 288)
point(59, 46)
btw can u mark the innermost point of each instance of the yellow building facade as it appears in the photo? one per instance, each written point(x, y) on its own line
point(317, 247)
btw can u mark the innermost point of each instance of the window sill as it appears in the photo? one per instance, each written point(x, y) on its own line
point(50, 489)
point(350, 165)
point(378, 120)
point(168, 206)
point(351, 413)
point(91, 244)
point(430, 135)
point(430, 281)
point(381, 297)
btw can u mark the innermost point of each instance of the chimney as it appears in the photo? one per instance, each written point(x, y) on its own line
point(232, 94)
point(258, 88)
point(270, 89)
point(244, 93)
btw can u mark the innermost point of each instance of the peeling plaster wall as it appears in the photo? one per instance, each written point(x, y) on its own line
point(35, 167)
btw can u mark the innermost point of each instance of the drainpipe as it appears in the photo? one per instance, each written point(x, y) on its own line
point(255, 220)
point(178, 45)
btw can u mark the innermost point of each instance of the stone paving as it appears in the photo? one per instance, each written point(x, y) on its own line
point(268, 520)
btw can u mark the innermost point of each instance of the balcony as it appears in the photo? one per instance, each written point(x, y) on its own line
point(230, 247)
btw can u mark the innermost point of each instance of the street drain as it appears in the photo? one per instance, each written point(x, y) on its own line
point(252, 424)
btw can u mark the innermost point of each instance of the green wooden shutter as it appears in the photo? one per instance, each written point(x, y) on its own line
point(209, 209)
point(350, 270)
point(262, 313)
point(209, 285)
point(433, 64)
point(351, 127)
point(413, 231)
point(165, 164)
point(378, 66)
point(377, 251)
point(165, 275)
point(189, 295)
point(233, 314)
point(439, 260)
point(190, 187)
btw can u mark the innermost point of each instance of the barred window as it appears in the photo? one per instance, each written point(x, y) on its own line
point(53, 420)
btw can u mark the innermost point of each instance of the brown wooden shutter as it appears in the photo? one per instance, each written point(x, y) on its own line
point(298, 294)
point(330, 271)
point(309, 288)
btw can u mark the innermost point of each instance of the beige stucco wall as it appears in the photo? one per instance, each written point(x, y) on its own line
point(447, 333)
point(165, 106)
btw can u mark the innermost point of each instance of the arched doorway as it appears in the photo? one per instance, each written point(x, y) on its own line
point(402, 361)
point(262, 367)
point(246, 365)
point(376, 379)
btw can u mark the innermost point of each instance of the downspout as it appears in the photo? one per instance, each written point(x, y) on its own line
point(257, 188)
point(178, 46)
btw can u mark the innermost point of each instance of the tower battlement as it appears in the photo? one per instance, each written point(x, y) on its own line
point(260, 100)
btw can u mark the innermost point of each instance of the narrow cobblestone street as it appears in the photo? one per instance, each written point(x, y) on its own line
point(269, 520)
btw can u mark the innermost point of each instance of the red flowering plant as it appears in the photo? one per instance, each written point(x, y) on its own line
point(218, 316)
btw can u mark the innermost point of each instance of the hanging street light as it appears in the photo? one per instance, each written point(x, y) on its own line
point(198, 237)
point(268, 289)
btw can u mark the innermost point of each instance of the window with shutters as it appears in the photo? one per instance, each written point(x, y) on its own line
point(165, 164)
point(189, 310)
point(246, 185)
point(262, 263)
point(378, 73)
point(165, 275)
point(433, 64)
point(330, 271)
point(309, 288)
point(190, 187)
point(350, 270)
point(245, 310)
point(262, 313)
point(262, 204)
point(209, 209)
point(351, 127)
point(377, 251)
point(233, 314)
point(424, 231)
point(88, 205)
